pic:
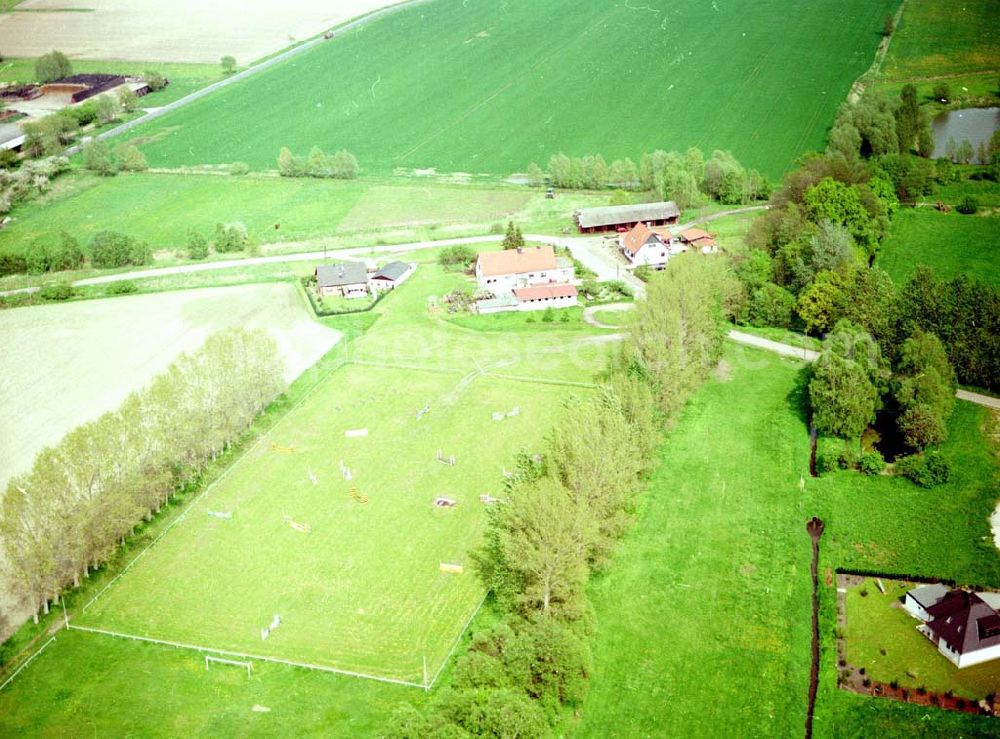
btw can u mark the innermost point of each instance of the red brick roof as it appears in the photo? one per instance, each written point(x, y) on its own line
point(541, 292)
point(517, 261)
point(696, 234)
point(639, 236)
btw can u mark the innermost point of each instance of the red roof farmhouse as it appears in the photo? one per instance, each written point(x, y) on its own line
point(643, 246)
point(530, 278)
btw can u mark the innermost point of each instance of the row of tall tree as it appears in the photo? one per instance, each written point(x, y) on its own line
point(563, 511)
point(341, 165)
point(83, 496)
point(688, 179)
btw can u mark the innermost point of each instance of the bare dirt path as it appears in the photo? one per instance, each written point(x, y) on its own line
point(590, 318)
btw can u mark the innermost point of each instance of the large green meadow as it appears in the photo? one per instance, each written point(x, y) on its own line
point(476, 87)
point(361, 589)
point(280, 212)
point(951, 243)
point(704, 619)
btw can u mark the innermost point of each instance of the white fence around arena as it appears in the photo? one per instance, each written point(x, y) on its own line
point(26, 662)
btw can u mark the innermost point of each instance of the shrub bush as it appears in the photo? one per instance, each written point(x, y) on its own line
point(113, 249)
point(124, 287)
point(239, 168)
point(57, 291)
point(871, 463)
point(926, 470)
point(968, 206)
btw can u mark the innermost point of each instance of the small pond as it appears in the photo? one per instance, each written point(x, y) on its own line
point(974, 124)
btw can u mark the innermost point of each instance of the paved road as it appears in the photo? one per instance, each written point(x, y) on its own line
point(153, 113)
point(786, 350)
point(309, 256)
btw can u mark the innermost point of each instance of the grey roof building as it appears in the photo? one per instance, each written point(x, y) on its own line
point(613, 217)
point(392, 271)
point(341, 273)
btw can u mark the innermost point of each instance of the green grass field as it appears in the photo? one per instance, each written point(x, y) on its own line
point(363, 590)
point(468, 87)
point(704, 619)
point(162, 208)
point(877, 622)
point(936, 39)
point(951, 243)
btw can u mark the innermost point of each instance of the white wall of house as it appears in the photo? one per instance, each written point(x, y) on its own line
point(979, 656)
point(916, 610)
point(358, 290)
point(543, 303)
point(506, 283)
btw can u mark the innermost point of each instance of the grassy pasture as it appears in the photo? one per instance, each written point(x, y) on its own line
point(523, 82)
point(162, 208)
point(90, 684)
point(935, 39)
point(704, 619)
point(951, 243)
point(362, 591)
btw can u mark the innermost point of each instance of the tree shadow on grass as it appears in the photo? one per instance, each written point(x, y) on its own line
point(798, 397)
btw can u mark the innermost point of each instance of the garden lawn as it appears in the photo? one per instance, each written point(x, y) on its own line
point(951, 243)
point(362, 590)
point(877, 621)
point(91, 684)
point(475, 88)
point(703, 620)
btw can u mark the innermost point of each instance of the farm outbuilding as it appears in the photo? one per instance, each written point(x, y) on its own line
point(391, 276)
point(623, 217)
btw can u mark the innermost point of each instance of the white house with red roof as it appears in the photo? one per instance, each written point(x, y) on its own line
point(647, 247)
point(530, 278)
point(530, 265)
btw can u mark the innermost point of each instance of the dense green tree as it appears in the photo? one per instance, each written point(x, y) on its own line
point(821, 304)
point(113, 249)
point(52, 66)
point(132, 159)
point(907, 118)
point(771, 305)
point(197, 245)
point(841, 396)
point(925, 391)
point(230, 237)
point(127, 100)
point(228, 63)
point(456, 256)
point(513, 239)
point(155, 80)
point(107, 109)
point(97, 157)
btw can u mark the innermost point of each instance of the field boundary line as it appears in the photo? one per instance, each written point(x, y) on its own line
point(190, 506)
point(399, 365)
point(458, 639)
point(245, 655)
point(541, 380)
point(24, 664)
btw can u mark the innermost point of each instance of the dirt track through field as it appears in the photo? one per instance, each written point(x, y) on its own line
point(178, 31)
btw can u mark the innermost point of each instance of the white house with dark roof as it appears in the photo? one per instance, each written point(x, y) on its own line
point(964, 626)
point(346, 279)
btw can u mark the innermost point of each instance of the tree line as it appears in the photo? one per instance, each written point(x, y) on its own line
point(688, 179)
point(54, 252)
point(341, 165)
point(562, 512)
point(84, 495)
